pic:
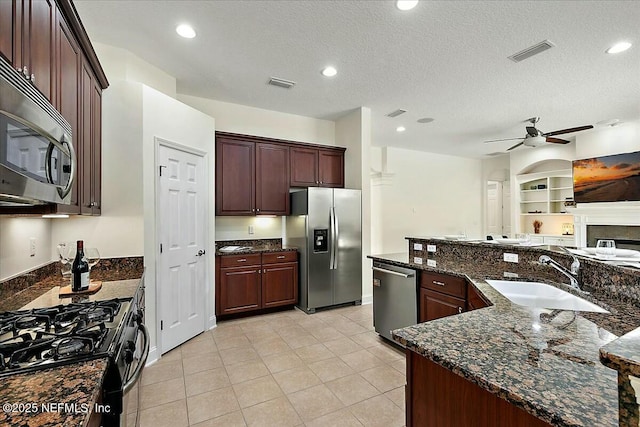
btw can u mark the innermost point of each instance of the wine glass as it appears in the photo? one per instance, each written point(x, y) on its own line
point(92, 255)
point(606, 249)
point(66, 252)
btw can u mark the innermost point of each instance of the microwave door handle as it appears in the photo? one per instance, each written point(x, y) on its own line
point(72, 154)
point(47, 163)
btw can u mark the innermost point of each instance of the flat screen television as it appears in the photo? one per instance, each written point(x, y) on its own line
point(614, 178)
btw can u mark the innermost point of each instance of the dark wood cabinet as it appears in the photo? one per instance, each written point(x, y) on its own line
point(254, 281)
point(437, 397)
point(252, 178)
point(68, 87)
point(434, 305)
point(331, 168)
point(317, 167)
point(46, 38)
point(272, 179)
point(474, 299)
point(235, 176)
point(27, 40)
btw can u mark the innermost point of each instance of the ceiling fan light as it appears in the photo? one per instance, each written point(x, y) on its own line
point(619, 47)
point(406, 4)
point(535, 141)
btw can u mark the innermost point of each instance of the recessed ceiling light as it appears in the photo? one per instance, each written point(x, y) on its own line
point(425, 120)
point(406, 4)
point(619, 47)
point(186, 31)
point(329, 72)
point(400, 129)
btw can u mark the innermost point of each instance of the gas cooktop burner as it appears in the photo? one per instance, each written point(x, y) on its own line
point(38, 338)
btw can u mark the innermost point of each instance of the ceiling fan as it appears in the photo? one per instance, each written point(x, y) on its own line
point(534, 137)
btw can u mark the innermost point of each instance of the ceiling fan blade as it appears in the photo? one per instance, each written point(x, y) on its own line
point(557, 140)
point(515, 146)
point(570, 130)
point(498, 140)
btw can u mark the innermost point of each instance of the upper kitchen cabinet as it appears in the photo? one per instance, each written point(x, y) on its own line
point(317, 167)
point(46, 38)
point(252, 177)
point(27, 40)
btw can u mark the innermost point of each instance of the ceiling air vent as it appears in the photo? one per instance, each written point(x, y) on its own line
point(287, 84)
point(531, 51)
point(396, 113)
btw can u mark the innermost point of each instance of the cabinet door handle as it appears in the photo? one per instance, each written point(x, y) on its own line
point(33, 78)
point(459, 309)
point(280, 257)
point(253, 210)
point(435, 282)
point(257, 210)
point(242, 260)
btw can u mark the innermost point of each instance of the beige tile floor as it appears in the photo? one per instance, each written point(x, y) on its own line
point(282, 369)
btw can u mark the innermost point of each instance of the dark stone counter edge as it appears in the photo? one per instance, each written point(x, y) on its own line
point(610, 360)
point(258, 251)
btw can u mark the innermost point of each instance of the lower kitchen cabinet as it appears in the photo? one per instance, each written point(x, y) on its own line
point(434, 305)
point(443, 295)
point(256, 281)
point(437, 397)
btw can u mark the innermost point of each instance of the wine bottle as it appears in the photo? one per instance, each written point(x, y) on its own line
point(80, 269)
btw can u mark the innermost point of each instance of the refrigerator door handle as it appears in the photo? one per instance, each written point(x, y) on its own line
point(336, 233)
point(332, 237)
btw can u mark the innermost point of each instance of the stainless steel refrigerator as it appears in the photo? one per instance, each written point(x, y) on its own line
point(326, 225)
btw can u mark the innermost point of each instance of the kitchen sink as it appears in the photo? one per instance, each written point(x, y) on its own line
point(541, 295)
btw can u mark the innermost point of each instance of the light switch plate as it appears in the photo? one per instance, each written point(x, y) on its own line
point(417, 246)
point(431, 248)
point(510, 257)
point(417, 260)
point(431, 262)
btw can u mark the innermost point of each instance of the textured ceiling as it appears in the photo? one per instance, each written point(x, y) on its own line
point(444, 59)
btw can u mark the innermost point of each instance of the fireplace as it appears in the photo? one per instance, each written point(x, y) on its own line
point(625, 236)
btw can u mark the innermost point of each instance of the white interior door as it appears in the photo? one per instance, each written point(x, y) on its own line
point(181, 280)
point(494, 208)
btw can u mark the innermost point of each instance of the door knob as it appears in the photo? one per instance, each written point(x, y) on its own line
point(200, 252)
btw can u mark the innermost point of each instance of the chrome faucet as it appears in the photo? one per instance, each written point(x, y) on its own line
point(573, 274)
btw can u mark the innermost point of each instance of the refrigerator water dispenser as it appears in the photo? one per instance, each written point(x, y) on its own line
point(320, 241)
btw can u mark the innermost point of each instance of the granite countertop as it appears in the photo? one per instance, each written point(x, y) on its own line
point(550, 368)
point(253, 246)
point(77, 385)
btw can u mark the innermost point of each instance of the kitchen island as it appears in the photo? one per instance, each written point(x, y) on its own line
point(61, 395)
point(548, 367)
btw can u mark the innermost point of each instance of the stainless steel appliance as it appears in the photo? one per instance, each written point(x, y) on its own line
point(43, 338)
point(326, 225)
point(37, 158)
point(395, 301)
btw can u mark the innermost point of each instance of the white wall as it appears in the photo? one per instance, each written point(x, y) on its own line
point(353, 131)
point(494, 169)
point(429, 195)
point(118, 232)
point(237, 227)
point(15, 235)
point(257, 121)
point(166, 118)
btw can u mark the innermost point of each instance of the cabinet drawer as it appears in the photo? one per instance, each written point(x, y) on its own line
point(276, 257)
point(450, 285)
point(239, 260)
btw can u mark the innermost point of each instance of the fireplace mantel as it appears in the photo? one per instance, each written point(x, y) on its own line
point(616, 213)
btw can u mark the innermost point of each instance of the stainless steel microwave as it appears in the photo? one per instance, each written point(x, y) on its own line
point(37, 158)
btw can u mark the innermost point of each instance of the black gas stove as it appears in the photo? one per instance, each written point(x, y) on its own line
point(41, 338)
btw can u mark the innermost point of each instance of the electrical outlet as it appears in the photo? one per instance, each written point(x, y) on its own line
point(417, 246)
point(431, 248)
point(32, 246)
point(417, 260)
point(251, 229)
point(510, 275)
point(510, 257)
point(431, 262)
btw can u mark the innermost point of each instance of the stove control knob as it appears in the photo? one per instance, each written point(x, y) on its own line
point(137, 317)
point(130, 345)
point(128, 356)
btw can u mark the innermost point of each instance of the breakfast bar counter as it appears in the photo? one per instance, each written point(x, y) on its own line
point(547, 365)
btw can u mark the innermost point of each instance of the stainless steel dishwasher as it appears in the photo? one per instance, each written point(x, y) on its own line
point(394, 298)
